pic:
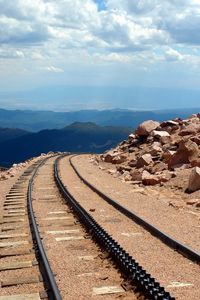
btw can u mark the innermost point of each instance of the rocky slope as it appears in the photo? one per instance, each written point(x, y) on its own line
point(163, 154)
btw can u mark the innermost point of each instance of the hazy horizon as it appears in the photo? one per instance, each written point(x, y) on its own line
point(99, 54)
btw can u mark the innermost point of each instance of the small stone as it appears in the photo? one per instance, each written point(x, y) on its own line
point(176, 204)
point(112, 171)
point(119, 159)
point(192, 201)
point(149, 179)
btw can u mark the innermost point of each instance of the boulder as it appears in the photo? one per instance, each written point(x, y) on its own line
point(149, 179)
point(187, 152)
point(156, 149)
point(158, 167)
point(165, 139)
point(189, 130)
point(167, 156)
point(159, 134)
point(170, 123)
point(145, 128)
point(194, 180)
point(144, 160)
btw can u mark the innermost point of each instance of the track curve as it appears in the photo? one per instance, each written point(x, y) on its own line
point(136, 274)
point(165, 238)
point(52, 288)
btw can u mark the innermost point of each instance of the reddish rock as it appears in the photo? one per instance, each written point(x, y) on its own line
point(167, 156)
point(194, 180)
point(169, 123)
point(149, 179)
point(165, 140)
point(192, 201)
point(189, 130)
point(111, 155)
point(195, 162)
point(188, 151)
point(159, 167)
point(119, 159)
point(144, 160)
point(196, 139)
point(160, 134)
point(156, 149)
point(146, 128)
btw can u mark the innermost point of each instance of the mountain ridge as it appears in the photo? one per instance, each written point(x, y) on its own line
point(77, 137)
point(38, 120)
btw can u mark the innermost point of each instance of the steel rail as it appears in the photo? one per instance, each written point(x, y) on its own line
point(161, 235)
point(129, 267)
point(52, 288)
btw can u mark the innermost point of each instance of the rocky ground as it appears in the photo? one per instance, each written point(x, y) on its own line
point(13, 171)
point(164, 155)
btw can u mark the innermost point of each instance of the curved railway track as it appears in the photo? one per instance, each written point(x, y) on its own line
point(164, 237)
point(51, 286)
point(136, 274)
point(174, 270)
point(19, 273)
point(41, 193)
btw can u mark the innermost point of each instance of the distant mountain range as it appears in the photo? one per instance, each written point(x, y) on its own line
point(17, 145)
point(39, 120)
point(11, 133)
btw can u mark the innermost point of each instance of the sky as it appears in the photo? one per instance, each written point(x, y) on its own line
point(68, 55)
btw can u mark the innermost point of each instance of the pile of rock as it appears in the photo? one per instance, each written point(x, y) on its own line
point(156, 151)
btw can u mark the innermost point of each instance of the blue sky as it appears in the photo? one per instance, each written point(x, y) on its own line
point(105, 46)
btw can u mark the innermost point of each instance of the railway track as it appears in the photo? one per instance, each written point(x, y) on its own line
point(21, 269)
point(131, 269)
point(175, 271)
point(50, 250)
point(164, 237)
